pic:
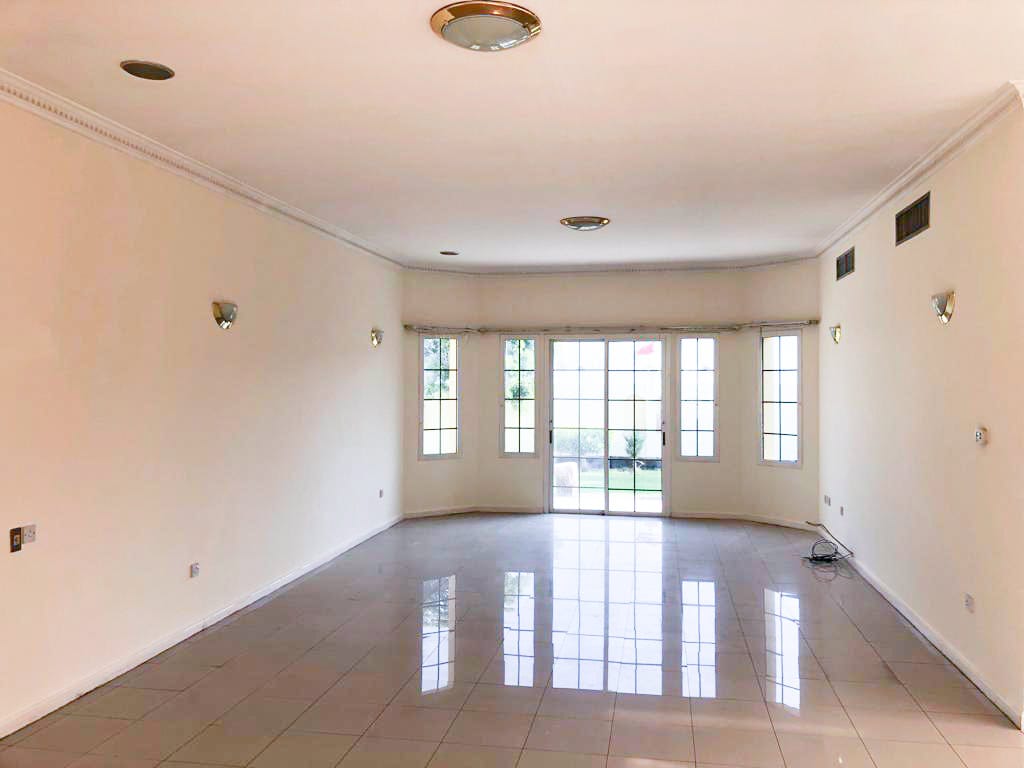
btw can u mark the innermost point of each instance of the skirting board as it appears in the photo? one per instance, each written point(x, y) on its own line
point(945, 647)
point(54, 701)
point(468, 510)
point(745, 518)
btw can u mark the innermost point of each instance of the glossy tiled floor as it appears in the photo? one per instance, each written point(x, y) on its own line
point(543, 641)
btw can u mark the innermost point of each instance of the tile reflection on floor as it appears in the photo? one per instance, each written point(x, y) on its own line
point(546, 640)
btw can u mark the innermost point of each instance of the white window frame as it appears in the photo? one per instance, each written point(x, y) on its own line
point(767, 333)
point(460, 348)
point(677, 390)
point(502, 453)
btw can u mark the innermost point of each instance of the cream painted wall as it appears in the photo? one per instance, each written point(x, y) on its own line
point(930, 514)
point(736, 485)
point(139, 437)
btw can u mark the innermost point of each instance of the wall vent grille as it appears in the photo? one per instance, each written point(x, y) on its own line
point(914, 219)
point(844, 264)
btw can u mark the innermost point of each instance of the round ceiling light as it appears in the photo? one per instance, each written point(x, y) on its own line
point(485, 26)
point(585, 223)
point(147, 70)
point(449, 253)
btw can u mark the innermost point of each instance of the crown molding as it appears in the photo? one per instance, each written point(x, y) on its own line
point(83, 121)
point(1009, 96)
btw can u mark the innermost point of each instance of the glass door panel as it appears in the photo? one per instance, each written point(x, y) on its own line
point(606, 441)
point(578, 447)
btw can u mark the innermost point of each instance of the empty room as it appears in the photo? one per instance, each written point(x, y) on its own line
point(574, 384)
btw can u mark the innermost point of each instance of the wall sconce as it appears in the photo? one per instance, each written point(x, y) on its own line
point(836, 332)
point(224, 313)
point(376, 337)
point(943, 304)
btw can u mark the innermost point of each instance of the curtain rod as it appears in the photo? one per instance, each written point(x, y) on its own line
point(610, 329)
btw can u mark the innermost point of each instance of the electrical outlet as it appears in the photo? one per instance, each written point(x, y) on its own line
point(28, 534)
point(380, 494)
point(16, 540)
point(969, 602)
point(842, 511)
point(828, 500)
point(193, 570)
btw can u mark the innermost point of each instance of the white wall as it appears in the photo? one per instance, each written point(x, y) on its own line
point(930, 514)
point(736, 485)
point(140, 437)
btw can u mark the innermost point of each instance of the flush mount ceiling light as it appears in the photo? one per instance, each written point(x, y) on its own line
point(376, 337)
point(943, 304)
point(585, 223)
point(449, 253)
point(836, 331)
point(224, 313)
point(147, 70)
point(485, 26)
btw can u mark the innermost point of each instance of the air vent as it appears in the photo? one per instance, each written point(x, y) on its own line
point(844, 264)
point(913, 219)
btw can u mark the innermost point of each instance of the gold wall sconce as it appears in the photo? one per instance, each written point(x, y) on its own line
point(376, 337)
point(836, 332)
point(943, 304)
point(224, 313)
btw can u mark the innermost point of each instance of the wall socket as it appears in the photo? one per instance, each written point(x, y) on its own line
point(380, 494)
point(28, 533)
point(828, 500)
point(842, 511)
point(193, 570)
point(969, 602)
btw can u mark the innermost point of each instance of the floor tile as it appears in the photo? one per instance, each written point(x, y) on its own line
point(169, 677)
point(885, 696)
point(894, 725)
point(421, 723)
point(466, 756)
point(452, 697)
point(979, 730)
point(735, 747)
point(296, 749)
point(388, 753)
point(643, 762)
point(221, 745)
point(716, 713)
point(954, 700)
point(563, 734)
point(666, 710)
point(489, 729)
point(588, 705)
point(537, 759)
point(101, 761)
point(801, 750)
point(818, 721)
point(631, 738)
point(75, 733)
point(330, 716)
point(502, 698)
point(990, 757)
point(19, 757)
point(151, 739)
point(902, 754)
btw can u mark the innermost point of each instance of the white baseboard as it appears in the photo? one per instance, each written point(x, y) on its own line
point(467, 510)
point(743, 517)
point(935, 638)
point(11, 723)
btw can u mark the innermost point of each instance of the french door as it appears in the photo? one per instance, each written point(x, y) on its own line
point(607, 430)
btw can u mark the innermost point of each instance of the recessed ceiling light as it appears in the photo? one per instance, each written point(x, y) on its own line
point(449, 253)
point(485, 26)
point(585, 223)
point(147, 70)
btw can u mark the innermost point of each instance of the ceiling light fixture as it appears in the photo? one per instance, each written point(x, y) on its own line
point(449, 253)
point(585, 223)
point(485, 26)
point(943, 304)
point(147, 70)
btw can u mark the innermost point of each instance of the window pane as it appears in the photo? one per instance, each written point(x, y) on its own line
point(592, 355)
point(431, 350)
point(770, 352)
point(511, 441)
point(431, 442)
point(620, 473)
point(527, 355)
point(566, 355)
point(788, 386)
point(688, 354)
point(591, 414)
point(512, 413)
point(688, 415)
point(706, 354)
point(431, 414)
point(648, 385)
point(705, 444)
point(567, 473)
point(620, 385)
point(648, 355)
point(788, 352)
point(527, 440)
point(771, 417)
point(527, 413)
point(511, 354)
point(431, 384)
point(565, 413)
point(449, 440)
point(771, 447)
point(688, 385)
point(512, 389)
point(648, 445)
point(788, 448)
point(592, 442)
point(705, 415)
point(788, 420)
point(771, 386)
point(620, 501)
point(526, 386)
point(592, 498)
point(688, 443)
point(648, 414)
point(620, 356)
point(566, 442)
point(648, 475)
point(620, 414)
point(449, 358)
point(565, 384)
point(591, 385)
point(449, 414)
point(449, 384)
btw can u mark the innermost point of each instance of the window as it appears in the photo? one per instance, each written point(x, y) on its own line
point(519, 421)
point(439, 433)
point(698, 392)
point(780, 398)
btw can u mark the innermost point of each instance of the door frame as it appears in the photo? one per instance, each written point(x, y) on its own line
point(666, 416)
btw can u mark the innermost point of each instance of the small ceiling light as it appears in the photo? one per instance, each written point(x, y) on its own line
point(943, 304)
point(585, 223)
point(376, 337)
point(449, 253)
point(147, 70)
point(485, 26)
point(836, 332)
point(224, 313)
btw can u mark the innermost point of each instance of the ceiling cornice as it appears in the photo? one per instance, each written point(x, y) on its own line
point(82, 120)
point(1010, 95)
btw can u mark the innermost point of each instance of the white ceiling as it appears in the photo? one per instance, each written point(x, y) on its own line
point(709, 131)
